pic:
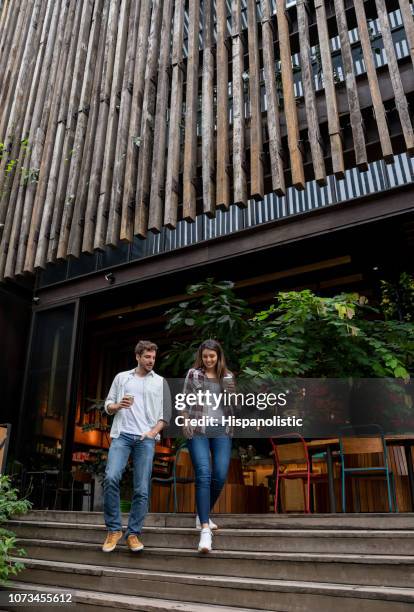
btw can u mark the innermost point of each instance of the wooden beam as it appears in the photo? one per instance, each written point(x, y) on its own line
point(330, 93)
point(175, 120)
point(239, 160)
point(377, 102)
point(400, 99)
point(289, 102)
point(273, 116)
point(134, 135)
point(147, 128)
point(40, 100)
point(89, 43)
point(191, 102)
point(160, 128)
point(256, 128)
point(351, 88)
point(207, 113)
point(407, 17)
point(100, 136)
point(314, 135)
point(112, 128)
point(19, 126)
point(121, 147)
point(78, 220)
point(222, 139)
point(44, 140)
point(66, 123)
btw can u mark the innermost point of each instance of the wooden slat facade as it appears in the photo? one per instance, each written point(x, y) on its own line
point(121, 116)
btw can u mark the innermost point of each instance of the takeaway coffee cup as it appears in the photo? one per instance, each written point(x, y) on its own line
point(129, 397)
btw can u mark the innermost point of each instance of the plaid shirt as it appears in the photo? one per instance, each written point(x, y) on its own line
point(195, 381)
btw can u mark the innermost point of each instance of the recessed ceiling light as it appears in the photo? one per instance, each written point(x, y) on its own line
point(120, 317)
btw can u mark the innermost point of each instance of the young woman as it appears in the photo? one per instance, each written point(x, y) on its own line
point(209, 446)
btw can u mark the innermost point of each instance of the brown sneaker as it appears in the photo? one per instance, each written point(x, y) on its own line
point(111, 541)
point(133, 543)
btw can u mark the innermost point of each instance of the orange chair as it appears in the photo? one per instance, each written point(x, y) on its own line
point(286, 452)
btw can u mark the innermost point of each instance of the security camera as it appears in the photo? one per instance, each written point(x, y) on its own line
point(110, 278)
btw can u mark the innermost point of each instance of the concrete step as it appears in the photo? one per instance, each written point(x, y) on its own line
point(380, 570)
point(380, 542)
point(263, 594)
point(242, 521)
point(91, 601)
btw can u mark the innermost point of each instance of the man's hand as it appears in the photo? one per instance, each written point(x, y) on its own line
point(124, 403)
point(149, 434)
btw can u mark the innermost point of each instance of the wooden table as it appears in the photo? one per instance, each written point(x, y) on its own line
point(328, 445)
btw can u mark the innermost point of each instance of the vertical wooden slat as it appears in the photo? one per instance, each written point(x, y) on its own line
point(128, 199)
point(41, 101)
point(63, 198)
point(110, 141)
point(10, 77)
point(330, 94)
point(309, 93)
point(256, 129)
point(10, 14)
point(408, 20)
point(207, 113)
point(351, 88)
point(397, 86)
point(56, 133)
point(273, 118)
point(175, 118)
point(223, 156)
point(239, 161)
point(296, 162)
point(11, 121)
point(121, 147)
point(160, 131)
point(100, 136)
point(43, 142)
point(75, 157)
point(18, 128)
point(78, 220)
point(147, 128)
point(190, 144)
point(377, 103)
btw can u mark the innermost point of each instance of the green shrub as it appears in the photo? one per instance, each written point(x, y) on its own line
point(10, 505)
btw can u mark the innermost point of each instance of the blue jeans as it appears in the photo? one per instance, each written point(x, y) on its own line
point(142, 458)
point(209, 478)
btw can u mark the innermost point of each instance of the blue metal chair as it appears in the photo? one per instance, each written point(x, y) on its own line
point(172, 479)
point(365, 440)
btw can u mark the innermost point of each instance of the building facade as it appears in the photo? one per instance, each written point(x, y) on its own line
point(149, 144)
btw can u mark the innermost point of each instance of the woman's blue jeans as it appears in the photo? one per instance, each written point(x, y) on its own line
point(210, 476)
point(142, 458)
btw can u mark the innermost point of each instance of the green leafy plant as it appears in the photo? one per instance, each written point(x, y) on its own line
point(212, 311)
point(397, 299)
point(10, 505)
point(304, 335)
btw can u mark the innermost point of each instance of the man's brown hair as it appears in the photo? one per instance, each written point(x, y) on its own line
point(145, 345)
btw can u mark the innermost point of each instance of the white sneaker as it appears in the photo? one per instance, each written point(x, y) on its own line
point(205, 540)
point(210, 524)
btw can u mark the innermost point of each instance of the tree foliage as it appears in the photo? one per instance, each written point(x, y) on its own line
point(212, 311)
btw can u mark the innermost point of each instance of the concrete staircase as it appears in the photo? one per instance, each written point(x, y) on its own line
point(260, 562)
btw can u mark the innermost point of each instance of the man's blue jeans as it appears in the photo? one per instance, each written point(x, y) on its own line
point(142, 458)
point(210, 478)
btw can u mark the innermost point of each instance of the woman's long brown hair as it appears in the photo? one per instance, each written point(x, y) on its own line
point(212, 345)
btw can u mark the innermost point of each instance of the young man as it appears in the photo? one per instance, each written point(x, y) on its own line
point(140, 401)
